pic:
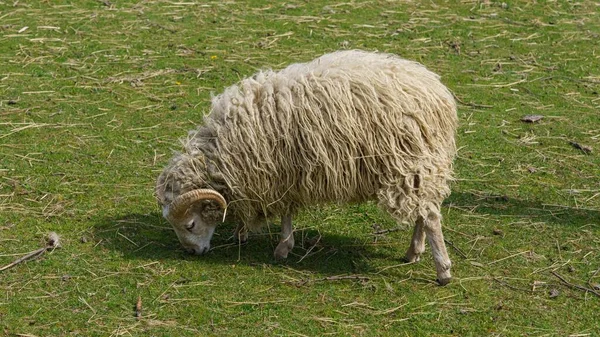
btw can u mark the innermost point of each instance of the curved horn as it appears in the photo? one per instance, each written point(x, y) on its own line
point(183, 202)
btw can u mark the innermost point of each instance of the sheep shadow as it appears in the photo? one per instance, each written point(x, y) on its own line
point(535, 210)
point(149, 237)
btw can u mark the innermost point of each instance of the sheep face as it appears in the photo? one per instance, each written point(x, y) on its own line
point(196, 227)
point(192, 211)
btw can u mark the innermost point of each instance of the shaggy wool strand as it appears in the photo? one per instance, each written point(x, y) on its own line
point(349, 126)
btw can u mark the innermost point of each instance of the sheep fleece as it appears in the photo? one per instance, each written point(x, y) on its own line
point(349, 126)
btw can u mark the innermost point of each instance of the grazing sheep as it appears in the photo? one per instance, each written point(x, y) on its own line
point(349, 126)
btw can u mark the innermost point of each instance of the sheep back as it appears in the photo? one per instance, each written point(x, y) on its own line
point(347, 127)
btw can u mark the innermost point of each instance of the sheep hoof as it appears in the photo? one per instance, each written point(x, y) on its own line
point(279, 256)
point(241, 238)
point(444, 281)
point(411, 259)
point(282, 251)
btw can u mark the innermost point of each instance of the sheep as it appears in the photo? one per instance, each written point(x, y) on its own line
point(347, 127)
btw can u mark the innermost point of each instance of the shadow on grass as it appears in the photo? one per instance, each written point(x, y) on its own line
point(149, 237)
point(522, 210)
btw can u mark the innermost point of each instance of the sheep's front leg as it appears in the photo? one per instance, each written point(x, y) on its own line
point(286, 241)
point(433, 229)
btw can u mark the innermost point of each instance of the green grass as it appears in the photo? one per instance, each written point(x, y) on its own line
point(95, 94)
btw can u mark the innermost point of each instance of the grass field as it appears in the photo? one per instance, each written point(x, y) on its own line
point(94, 96)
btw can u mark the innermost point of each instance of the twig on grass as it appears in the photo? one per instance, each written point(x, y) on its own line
point(386, 231)
point(52, 242)
point(458, 250)
point(584, 148)
point(330, 278)
point(138, 308)
point(509, 257)
point(471, 104)
point(317, 240)
point(574, 286)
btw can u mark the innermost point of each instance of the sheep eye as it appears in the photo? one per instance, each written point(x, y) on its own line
point(190, 226)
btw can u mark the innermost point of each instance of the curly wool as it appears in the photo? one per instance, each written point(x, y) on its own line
point(349, 126)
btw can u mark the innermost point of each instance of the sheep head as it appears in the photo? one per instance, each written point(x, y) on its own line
point(194, 216)
point(189, 202)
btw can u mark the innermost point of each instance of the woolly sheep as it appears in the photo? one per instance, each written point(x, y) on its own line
point(349, 126)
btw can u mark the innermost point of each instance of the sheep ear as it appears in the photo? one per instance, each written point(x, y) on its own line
point(182, 204)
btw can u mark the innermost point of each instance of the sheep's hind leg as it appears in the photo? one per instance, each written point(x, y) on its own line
point(417, 244)
point(433, 229)
point(286, 242)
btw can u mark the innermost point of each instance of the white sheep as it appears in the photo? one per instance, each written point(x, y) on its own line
point(349, 126)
